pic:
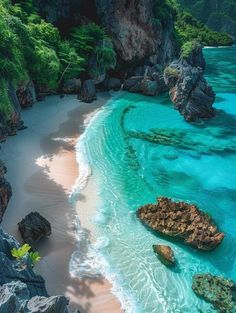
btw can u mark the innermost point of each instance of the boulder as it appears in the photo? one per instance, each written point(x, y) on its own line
point(54, 304)
point(112, 83)
point(183, 221)
point(13, 296)
point(149, 87)
point(192, 96)
point(220, 292)
point(26, 94)
point(72, 86)
point(88, 91)
point(5, 190)
point(34, 227)
point(133, 84)
point(165, 254)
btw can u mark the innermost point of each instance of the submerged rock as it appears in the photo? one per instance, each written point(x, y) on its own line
point(181, 220)
point(88, 91)
point(165, 254)
point(219, 291)
point(34, 227)
point(192, 96)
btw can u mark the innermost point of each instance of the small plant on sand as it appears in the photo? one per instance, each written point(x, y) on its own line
point(21, 252)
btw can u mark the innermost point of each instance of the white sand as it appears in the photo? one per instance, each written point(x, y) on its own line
point(42, 170)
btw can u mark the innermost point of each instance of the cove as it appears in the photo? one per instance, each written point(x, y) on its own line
point(190, 162)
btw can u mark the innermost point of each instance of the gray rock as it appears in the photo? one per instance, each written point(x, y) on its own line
point(55, 304)
point(189, 91)
point(112, 83)
point(149, 87)
point(72, 86)
point(34, 227)
point(22, 271)
point(13, 296)
point(88, 91)
point(133, 84)
point(7, 242)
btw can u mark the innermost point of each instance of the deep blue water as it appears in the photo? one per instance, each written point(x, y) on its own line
point(196, 163)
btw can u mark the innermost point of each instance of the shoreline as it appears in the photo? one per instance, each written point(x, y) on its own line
point(35, 158)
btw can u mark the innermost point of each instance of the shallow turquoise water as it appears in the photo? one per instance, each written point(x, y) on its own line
point(196, 164)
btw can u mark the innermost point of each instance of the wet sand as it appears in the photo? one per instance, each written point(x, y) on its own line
point(42, 170)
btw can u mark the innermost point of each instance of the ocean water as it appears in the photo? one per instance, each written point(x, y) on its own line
point(194, 163)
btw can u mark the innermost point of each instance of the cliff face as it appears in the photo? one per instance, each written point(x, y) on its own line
point(5, 190)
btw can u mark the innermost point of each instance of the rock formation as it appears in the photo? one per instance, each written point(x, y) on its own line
point(34, 227)
point(88, 91)
point(183, 221)
point(219, 291)
point(5, 190)
point(21, 290)
point(192, 96)
point(165, 254)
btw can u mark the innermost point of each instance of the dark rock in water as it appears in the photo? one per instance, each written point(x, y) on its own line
point(34, 227)
point(112, 83)
point(220, 292)
point(181, 220)
point(72, 86)
point(165, 254)
point(55, 304)
point(5, 190)
point(192, 96)
point(88, 91)
point(26, 95)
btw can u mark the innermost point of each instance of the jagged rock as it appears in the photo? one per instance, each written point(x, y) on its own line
point(189, 91)
point(88, 91)
point(72, 86)
point(7, 242)
point(34, 227)
point(5, 190)
point(13, 296)
point(55, 304)
point(219, 291)
point(26, 95)
point(112, 83)
point(165, 254)
point(133, 84)
point(183, 221)
point(149, 87)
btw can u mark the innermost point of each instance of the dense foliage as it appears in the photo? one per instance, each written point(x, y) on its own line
point(219, 15)
point(188, 29)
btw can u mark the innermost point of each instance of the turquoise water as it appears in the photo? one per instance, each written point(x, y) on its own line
point(196, 163)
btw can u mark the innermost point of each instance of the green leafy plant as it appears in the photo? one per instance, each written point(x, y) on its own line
point(20, 252)
point(34, 257)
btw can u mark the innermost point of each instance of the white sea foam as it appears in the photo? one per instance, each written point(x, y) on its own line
point(89, 261)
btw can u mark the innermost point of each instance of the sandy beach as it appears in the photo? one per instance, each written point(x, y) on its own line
point(42, 169)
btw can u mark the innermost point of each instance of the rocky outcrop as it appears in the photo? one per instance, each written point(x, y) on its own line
point(72, 86)
point(192, 96)
point(5, 190)
point(165, 254)
point(88, 91)
point(21, 290)
point(26, 94)
point(183, 221)
point(220, 292)
point(34, 227)
point(112, 83)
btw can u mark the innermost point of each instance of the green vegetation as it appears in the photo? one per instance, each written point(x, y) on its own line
point(91, 42)
point(23, 251)
point(219, 15)
point(188, 29)
point(31, 48)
